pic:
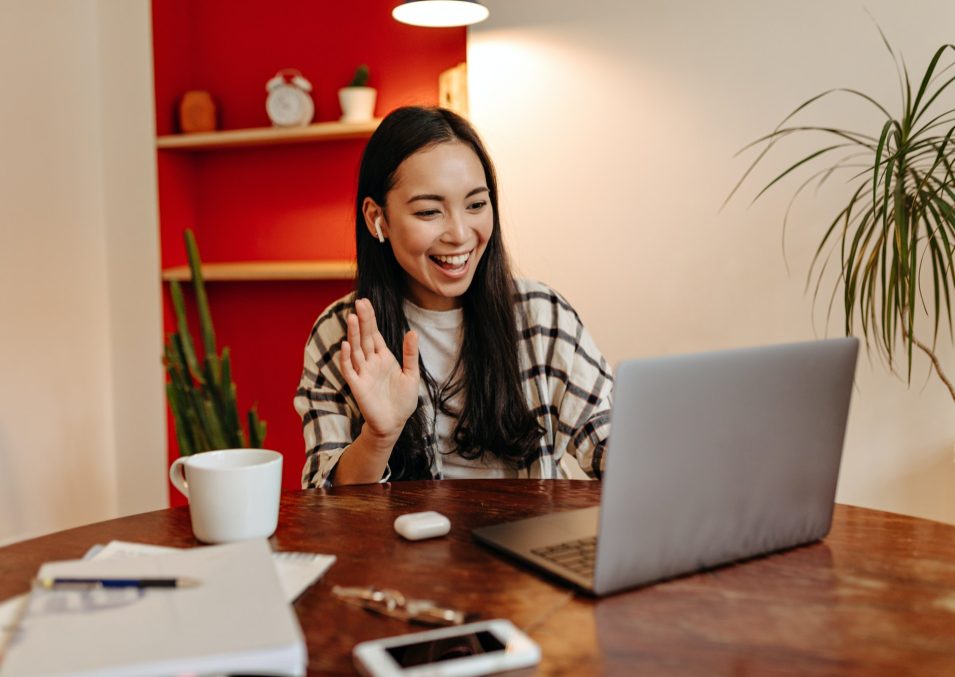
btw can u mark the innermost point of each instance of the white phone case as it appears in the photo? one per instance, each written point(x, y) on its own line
point(373, 659)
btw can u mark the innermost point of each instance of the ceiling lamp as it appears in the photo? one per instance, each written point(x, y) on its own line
point(440, 13)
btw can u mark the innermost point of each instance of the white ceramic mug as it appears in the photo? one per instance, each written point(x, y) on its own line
point(233, 493)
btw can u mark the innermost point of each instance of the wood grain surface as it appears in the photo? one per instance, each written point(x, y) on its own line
point(875, 597)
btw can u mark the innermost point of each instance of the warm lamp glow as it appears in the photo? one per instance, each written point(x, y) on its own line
point(440, 13)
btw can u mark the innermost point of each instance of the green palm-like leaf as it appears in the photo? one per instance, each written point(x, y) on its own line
point(894, 237)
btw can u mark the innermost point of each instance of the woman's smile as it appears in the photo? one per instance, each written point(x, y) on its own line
point(453, 264)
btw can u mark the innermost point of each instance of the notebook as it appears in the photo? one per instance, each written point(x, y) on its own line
point(236, 621)
point(712, 458)
point(296, 571)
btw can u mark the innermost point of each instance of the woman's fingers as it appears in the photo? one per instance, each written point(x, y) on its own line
point(410, 354)
point(377, 340)
point(368, 326)
point(344, 362)
point(380, 345)
point(354, 342)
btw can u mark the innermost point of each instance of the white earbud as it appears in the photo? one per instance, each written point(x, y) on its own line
point(381, 238)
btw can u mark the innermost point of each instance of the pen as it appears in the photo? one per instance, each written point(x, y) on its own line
point(93, 583)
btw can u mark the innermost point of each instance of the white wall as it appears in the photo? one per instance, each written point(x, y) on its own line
point(79, 297)
point(132, 252)
point(613, 125)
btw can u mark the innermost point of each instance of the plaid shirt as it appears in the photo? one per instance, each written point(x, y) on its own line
point(566, 381)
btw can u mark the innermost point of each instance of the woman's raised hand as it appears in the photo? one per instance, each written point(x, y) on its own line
point(386, 392)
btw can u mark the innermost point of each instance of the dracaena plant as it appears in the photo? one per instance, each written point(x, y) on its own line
point(202, 395)
point(893, 236)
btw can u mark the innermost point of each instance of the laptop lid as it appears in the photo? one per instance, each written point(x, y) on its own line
point(720, 456)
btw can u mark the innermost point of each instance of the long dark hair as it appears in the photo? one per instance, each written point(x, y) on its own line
point(494, 417)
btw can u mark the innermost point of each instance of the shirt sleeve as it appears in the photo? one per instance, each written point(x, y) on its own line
point(585, 405)
point(330, 417)
point(570, 383)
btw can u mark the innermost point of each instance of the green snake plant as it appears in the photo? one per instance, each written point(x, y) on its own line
point(202, 396)
point(893, 236)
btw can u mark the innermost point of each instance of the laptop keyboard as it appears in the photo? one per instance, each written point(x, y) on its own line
point(578, 556)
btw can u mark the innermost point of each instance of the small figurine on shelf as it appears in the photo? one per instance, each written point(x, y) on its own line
point(358, 99)
point(196, 112)
point(289, 103)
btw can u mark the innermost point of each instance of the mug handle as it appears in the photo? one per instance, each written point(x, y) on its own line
point(178, 477)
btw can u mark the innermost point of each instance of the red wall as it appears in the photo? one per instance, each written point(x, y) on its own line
point(279, 202)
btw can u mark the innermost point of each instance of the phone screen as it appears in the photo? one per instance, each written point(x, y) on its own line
point(446, 649)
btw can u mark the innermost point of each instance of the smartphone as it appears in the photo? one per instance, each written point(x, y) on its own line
point(481, 648)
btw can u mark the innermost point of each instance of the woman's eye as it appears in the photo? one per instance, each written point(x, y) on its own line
point(474, 206)
point(427, 212)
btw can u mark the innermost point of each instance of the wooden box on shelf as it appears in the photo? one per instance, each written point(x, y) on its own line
point(196, 112)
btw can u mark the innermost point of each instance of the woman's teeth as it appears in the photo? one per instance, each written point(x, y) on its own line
point(451, 261)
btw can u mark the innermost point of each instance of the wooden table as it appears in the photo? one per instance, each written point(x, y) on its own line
point(876, 597)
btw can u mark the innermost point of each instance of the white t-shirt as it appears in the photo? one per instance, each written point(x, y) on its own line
point(440, 334)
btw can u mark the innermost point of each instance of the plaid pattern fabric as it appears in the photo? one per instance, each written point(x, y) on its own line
point(567, 383)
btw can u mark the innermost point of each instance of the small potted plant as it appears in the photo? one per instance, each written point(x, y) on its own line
point(358, 99)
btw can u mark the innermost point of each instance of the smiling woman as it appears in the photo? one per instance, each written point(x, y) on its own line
point(497, 378)
point(439, 220)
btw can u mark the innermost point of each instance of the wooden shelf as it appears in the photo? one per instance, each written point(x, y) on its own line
point(267, 136)
point(266, 270)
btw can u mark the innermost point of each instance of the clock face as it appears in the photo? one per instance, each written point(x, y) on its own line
point(289, 106)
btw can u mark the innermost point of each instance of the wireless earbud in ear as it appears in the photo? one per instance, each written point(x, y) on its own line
point(381, 238)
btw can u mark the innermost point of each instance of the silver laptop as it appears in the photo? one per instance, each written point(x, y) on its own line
point(712, 458)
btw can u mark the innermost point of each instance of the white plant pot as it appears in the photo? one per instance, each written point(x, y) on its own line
point(358, 103)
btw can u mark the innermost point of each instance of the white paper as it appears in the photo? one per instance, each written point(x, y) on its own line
point(296, 570)
point(236, 620)
point(10, 612)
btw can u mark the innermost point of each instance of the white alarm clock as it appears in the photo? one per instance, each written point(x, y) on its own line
point(289, 103)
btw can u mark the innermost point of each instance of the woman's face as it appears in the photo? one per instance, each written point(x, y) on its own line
point(439, 219)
